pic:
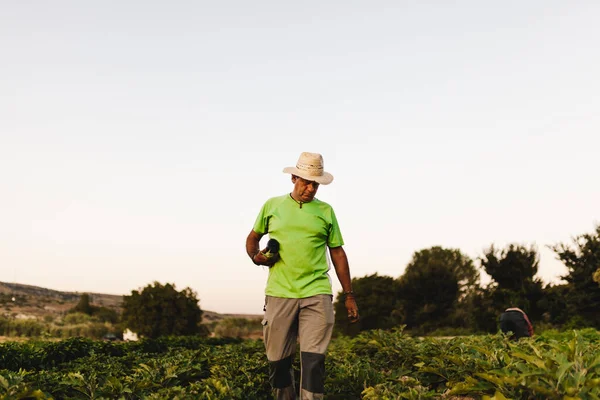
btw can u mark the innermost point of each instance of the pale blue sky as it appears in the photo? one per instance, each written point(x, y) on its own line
point(139, 139)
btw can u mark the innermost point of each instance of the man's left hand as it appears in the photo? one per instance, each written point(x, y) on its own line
point(352, 308)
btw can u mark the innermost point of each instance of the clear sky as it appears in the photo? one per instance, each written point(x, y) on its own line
point(139, 139)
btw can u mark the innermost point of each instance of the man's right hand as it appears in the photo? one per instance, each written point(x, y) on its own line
point(261, 259)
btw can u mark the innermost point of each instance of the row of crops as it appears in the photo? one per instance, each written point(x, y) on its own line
point(373, 365)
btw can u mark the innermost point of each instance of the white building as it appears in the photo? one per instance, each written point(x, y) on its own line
point(128, 335)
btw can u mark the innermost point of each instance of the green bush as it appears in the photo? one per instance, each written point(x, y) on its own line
point(104, 314)
point(374, 365)
point(21, 327)
point(237, 327)
point(76, 318)
point(447, 331)
point(4, 326)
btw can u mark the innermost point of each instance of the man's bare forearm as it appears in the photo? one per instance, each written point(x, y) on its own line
point(253, 244)
point(342, 268)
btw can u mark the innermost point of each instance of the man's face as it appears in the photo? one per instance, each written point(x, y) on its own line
point(304, 190)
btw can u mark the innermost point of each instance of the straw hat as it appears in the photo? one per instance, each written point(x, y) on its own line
point(310, 167)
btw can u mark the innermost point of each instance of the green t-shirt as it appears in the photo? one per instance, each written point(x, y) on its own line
point(303, 234)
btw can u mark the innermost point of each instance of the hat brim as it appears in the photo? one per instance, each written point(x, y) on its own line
point(324, 179)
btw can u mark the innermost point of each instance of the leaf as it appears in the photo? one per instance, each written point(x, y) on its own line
point(506, 359)
point(483, 350)
point(535, 350)
point(537, 388)
point(499, 396)
point(462, 388)
point(490, 378)
point(38, 394)
point(562, 370)
point(455, 359)
point(593, 396)
point(531, 359)
point(595, 363)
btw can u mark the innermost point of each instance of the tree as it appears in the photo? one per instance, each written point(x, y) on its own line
point(582, 259)
point(103, 314)
point(480, 312)
point(377, 298)
point(432, 285)
point(83, 306)
point(455, 261)
point(513, 270)
point(555, 304)
point(159, 310)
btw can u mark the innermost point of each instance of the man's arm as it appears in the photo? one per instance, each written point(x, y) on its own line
point(253, 250)
point(342, 269)
point(253, 244)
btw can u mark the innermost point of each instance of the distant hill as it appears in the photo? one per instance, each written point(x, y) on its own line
point(27, 301)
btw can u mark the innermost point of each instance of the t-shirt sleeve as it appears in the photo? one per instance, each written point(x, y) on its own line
point(335, 238)
point(261, 225)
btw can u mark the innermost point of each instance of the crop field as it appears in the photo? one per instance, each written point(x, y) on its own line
point(373, 365)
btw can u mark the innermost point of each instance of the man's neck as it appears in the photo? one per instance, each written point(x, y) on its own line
point(300, 202)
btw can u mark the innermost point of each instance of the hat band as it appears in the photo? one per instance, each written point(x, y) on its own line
point(310, 169)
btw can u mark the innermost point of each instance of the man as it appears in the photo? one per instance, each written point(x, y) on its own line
point(298, 304)
point(515, 320)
